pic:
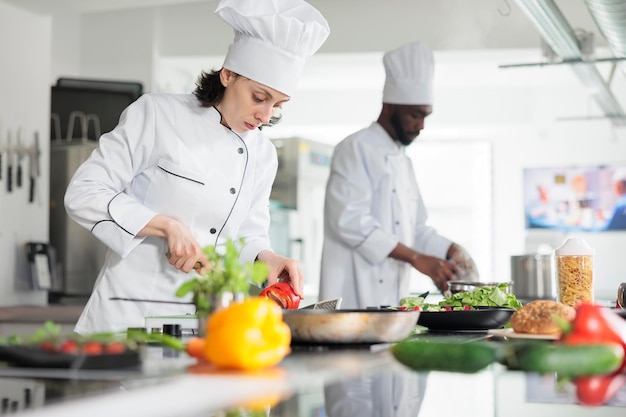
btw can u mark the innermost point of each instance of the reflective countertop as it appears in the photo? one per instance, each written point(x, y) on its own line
point(313, 381)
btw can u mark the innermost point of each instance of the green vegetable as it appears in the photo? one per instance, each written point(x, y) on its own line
point(50, 334)
point(571, 360)
point(13, 339)
point(164, 340)
point(50, 330)
point(466, 357)
point(412, 301)
point(227, 274)
point(483, 296)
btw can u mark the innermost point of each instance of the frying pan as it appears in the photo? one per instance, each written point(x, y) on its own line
point(349, 326)
point(324, 325)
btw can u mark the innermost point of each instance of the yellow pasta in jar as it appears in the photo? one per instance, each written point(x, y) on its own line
point(575, 279)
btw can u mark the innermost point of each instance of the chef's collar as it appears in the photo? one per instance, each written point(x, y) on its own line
point(386, 142)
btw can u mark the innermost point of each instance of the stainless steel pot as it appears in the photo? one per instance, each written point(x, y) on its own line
point(533, 277)
point(621, 296)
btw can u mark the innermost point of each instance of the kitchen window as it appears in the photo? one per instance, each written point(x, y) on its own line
point(455, 179)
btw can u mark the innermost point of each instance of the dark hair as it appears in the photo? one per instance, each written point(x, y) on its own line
point(210, 91)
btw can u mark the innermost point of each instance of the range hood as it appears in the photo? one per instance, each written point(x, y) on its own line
point(610, 17)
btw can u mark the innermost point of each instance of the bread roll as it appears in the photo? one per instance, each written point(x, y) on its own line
point(536, 317)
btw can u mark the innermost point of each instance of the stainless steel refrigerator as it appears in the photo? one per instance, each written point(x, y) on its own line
point(297, 206)
point(79, 254)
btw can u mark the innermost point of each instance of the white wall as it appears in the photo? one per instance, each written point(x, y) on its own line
point(118, 45)
point(65, 56)
point(24, 104)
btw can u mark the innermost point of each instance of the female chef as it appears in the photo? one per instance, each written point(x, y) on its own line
point(180, 172)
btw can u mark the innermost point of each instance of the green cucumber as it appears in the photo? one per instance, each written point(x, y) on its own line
point(465, 357)
point(572, 360)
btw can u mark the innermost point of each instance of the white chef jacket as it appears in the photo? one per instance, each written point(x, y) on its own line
point(372, 203)
point(388, 395)
point(168, 155)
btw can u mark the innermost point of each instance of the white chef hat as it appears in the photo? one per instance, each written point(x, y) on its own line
point(619, 175)
point(409, 75)
point(273, 38)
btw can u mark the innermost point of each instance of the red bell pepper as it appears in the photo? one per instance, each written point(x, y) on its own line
point(596, 324)
point(283, 294)
point(598, 389)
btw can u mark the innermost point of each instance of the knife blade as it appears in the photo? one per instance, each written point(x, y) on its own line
point(143, 300)
point(1, 150)
point(9, 163)
point(33, 164)
point(19, 151)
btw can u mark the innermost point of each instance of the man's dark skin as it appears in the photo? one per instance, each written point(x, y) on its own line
point(404, 123)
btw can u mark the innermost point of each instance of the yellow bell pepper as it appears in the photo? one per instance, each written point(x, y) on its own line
point(249, 335)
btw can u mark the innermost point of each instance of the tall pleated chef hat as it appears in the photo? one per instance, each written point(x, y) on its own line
point(273, 38)
point(409, 72)
point(619, 175)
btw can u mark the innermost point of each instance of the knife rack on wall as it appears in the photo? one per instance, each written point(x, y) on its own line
point(14, 149)
point(82, 109)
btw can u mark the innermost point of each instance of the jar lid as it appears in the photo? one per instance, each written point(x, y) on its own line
point(574, 246)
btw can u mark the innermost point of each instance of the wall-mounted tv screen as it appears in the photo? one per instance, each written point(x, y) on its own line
point(576, 199)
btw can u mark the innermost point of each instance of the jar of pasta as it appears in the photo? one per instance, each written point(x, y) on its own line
point(574, 272)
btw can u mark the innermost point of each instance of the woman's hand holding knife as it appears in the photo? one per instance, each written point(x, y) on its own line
point(184, 252)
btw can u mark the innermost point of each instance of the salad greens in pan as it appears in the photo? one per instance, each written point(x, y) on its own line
point(481, 297)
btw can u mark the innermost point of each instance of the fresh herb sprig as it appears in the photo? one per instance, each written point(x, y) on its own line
point(226, 274)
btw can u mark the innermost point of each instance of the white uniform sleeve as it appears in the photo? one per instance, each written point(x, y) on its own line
point(95, 196)
point(427, 240)
point(347, 205)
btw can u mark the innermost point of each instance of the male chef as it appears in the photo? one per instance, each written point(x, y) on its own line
point(375, 227)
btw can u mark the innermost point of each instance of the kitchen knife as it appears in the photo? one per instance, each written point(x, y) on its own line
point(1, 150)
point(20, 155)
point(143, 300)
point(33, 163)
point(9, 163)
point(254, 290)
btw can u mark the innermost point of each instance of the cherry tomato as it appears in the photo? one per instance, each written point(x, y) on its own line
point(69, 346)
point(48, 347)
point(597, 390)
point(92, 348)
point(283, 294)
point(115, 348)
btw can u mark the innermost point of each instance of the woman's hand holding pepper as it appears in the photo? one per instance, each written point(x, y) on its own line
point(284, 269)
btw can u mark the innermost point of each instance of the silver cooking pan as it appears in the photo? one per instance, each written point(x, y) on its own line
point(349, 326)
